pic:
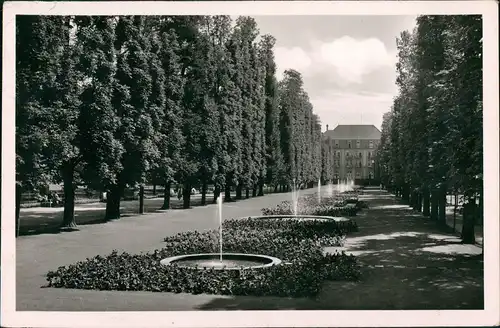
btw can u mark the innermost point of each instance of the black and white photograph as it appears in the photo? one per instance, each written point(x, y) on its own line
point(250, 164)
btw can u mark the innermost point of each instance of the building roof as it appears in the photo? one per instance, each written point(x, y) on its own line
point(353, 132)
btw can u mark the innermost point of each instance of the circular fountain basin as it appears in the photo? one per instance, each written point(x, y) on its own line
point(300, 217)
point(230, 261)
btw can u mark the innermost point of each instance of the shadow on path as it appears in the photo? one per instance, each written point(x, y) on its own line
point(42, 220)
point(407, 262)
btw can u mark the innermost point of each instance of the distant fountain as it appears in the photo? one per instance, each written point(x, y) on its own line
point(319, 191)
point(219, 203)
point(329, 190)
point(341, 186)
point(295, 198)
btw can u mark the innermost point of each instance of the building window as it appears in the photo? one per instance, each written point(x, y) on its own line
point(371, 144)
point(349, 144)
point(336, 144)
point(358, 143)
point(360, 155)
point(347, 154)
point(369, 154)
point(338, 154)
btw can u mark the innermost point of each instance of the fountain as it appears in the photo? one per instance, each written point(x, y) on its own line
point(220, 260)
point(229, 261)
point(295, 198)
point(319, 191)
point(329, 191)
point(341, 186)
point(219, 205)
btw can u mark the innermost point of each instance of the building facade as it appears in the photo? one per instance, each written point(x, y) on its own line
point(354, 148)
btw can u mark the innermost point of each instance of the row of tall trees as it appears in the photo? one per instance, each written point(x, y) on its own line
point(117, 102)
point(432, 139)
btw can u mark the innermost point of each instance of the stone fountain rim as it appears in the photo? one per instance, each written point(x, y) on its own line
point(273, 260)
point(304, 216)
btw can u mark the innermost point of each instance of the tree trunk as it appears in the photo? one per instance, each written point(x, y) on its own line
point(455, 205)
point(239, 189)
point(216, 194)
point(434, 205)
point(69, 197)
point(247, 193)
point(113, 203)
point(419, 201)
point(415, 200)
point(154, 189)
point(426, 199)
point(276, 188)
point(19, 193)
point(166, 196)
point(254, 191)
point(141, 199)
point(480, 209)
point(406, 194)
point(186, 196)
point(469, 216)
point(442, 206)
point(204, 188)
point(227, 192)
point(261, 188)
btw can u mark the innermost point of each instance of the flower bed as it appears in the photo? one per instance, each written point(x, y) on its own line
point(299, 244)
point(329, 206)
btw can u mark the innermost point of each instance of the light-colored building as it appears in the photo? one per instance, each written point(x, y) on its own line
point(354, 149)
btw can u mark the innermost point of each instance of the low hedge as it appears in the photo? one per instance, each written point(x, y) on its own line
point(329, 206)
point(306, 229)
point(298, 244)
point(321, 210)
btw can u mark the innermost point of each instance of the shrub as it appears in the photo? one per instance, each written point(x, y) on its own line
point(320, 210)
point(302, 277)
point(298, 243)
point(329, 206)
point(299, 229)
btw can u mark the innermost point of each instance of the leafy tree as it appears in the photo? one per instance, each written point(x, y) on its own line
point(258, 105)
point(111, 102)
point(131, 102)
point(232, 80)
point(37, 66)
point(274, 159)
point(244, 34)
point(99, 121)
point(170, 138)
point(432, 141)
point(290, 103)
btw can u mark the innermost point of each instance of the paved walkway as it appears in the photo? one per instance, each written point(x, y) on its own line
point(406, 263)
point(37, 254)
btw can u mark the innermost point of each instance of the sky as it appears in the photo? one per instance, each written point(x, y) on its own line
point(347, 62)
